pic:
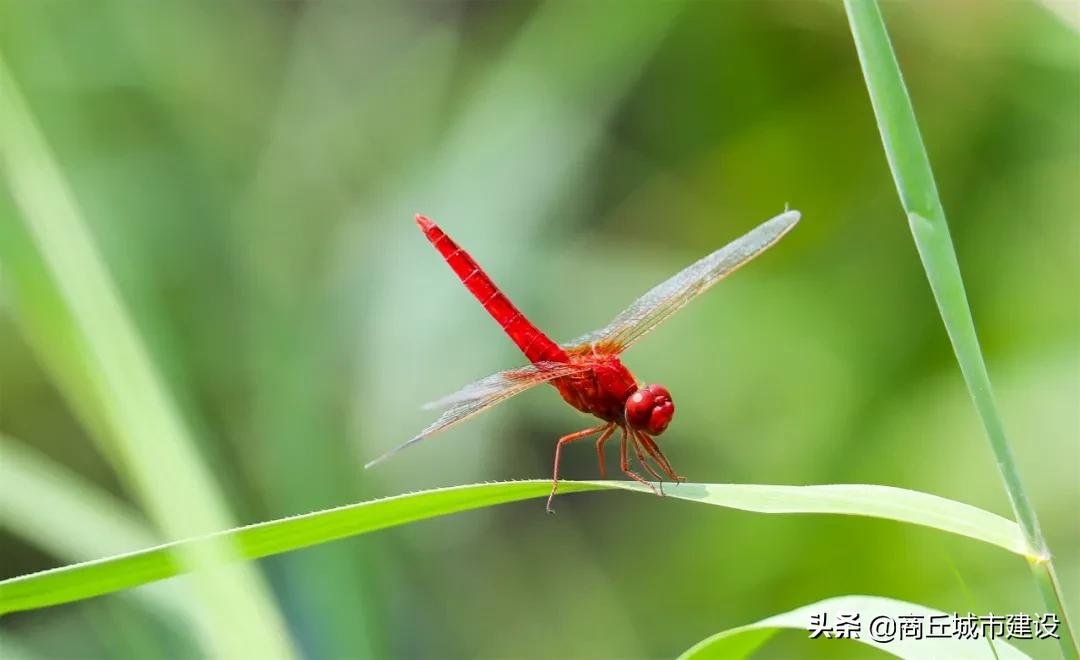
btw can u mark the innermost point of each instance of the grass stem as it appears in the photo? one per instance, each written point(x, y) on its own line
point(914, 180)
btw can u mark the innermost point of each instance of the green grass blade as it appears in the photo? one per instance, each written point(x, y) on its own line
point(151, 442)
point(742, 641)
point(915, 184)
point(74, 520)
point(873, 501)
point(121, 572)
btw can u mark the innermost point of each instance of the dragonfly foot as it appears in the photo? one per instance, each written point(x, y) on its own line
point(605, 429)
point(624, 462)
point(645, 482)
point(554, 487)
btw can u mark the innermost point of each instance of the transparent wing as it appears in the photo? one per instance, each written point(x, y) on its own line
point(662, 301)
point(485, 393)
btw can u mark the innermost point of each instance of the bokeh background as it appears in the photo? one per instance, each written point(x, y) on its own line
point(249, 171)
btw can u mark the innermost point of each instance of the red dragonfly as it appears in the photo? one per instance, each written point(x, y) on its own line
point(587, 371)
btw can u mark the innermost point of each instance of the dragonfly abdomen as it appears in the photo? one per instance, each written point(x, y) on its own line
point(536, 346)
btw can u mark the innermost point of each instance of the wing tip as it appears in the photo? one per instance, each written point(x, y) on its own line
point(372, 463)
point(790, 216)
point(778, 226)
point(375, 461)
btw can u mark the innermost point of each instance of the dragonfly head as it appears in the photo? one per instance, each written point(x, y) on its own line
point(650, 409)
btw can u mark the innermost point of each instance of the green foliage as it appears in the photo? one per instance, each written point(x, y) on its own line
point(144, 426)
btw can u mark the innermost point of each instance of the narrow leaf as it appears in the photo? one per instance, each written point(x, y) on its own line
point(111, 574)
point(74, 520)
point(915, 184)
point(136, 406)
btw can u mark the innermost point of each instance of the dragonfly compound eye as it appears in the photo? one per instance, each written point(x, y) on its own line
point(650, 409)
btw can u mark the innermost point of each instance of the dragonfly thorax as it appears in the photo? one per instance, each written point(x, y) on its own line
point(650, 409)
point(602, 389)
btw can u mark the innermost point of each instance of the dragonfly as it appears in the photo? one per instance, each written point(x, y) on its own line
point(588, 372)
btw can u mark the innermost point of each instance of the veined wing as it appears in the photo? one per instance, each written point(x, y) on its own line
point(477, 397)
point(665, 299)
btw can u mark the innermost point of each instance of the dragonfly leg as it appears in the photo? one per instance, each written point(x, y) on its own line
point(600, 448)
point(661, 460)
point(624, 464)
point(565, 440)
point(644, 461)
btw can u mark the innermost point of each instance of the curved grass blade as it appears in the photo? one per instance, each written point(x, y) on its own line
point(72, 519)
point(885, 502)
point(111, 574)
point(742, 641)
point(914, 179)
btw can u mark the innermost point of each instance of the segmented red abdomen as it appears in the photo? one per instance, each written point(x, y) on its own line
point(536, 346)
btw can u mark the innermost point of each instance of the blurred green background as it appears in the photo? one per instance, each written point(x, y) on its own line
point(249, 172)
